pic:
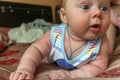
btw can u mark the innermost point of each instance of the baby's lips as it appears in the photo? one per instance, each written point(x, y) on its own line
point(95, 28)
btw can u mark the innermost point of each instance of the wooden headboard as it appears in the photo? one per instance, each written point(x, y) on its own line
point(13, 14)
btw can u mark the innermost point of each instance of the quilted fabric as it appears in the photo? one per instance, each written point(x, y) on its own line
point(11, 56)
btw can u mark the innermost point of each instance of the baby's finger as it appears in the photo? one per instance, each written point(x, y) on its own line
point(11, 75)
point(52, 75)
point(61, 76)
point(16, 76)
point(22, 77)
point(29, 77)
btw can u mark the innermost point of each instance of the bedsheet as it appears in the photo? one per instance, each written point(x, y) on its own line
point(10, 57)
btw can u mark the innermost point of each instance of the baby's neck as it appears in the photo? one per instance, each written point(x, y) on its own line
point(75, 37)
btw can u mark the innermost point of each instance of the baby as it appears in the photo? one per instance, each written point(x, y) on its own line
point(79, 45)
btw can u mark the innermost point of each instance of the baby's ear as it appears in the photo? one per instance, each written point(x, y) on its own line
point(63, 15)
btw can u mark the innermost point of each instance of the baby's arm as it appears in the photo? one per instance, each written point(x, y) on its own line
point(27, 65)
point(31, 58)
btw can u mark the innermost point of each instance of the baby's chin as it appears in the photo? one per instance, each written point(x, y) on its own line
point(92, 37)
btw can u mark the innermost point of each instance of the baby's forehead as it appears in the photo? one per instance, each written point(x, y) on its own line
point(82, 1)
point(94, 0)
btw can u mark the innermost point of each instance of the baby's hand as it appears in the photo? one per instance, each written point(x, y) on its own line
point(20, 75)
point(59, 74)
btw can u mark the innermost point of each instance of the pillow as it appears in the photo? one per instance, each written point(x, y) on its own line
point(24, 34)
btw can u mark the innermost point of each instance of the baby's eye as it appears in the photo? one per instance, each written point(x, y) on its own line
point(85, 7)
point(103, 8)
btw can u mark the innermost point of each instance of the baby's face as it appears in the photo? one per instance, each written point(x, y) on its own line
point(88, 17)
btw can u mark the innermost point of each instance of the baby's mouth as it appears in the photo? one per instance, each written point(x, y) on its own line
point(95, 28)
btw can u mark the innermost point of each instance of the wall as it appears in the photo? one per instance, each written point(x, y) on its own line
point(51, 3)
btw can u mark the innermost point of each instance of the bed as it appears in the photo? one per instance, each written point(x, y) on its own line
point(12, 15)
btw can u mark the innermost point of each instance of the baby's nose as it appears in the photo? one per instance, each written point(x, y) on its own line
point(96, 13)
